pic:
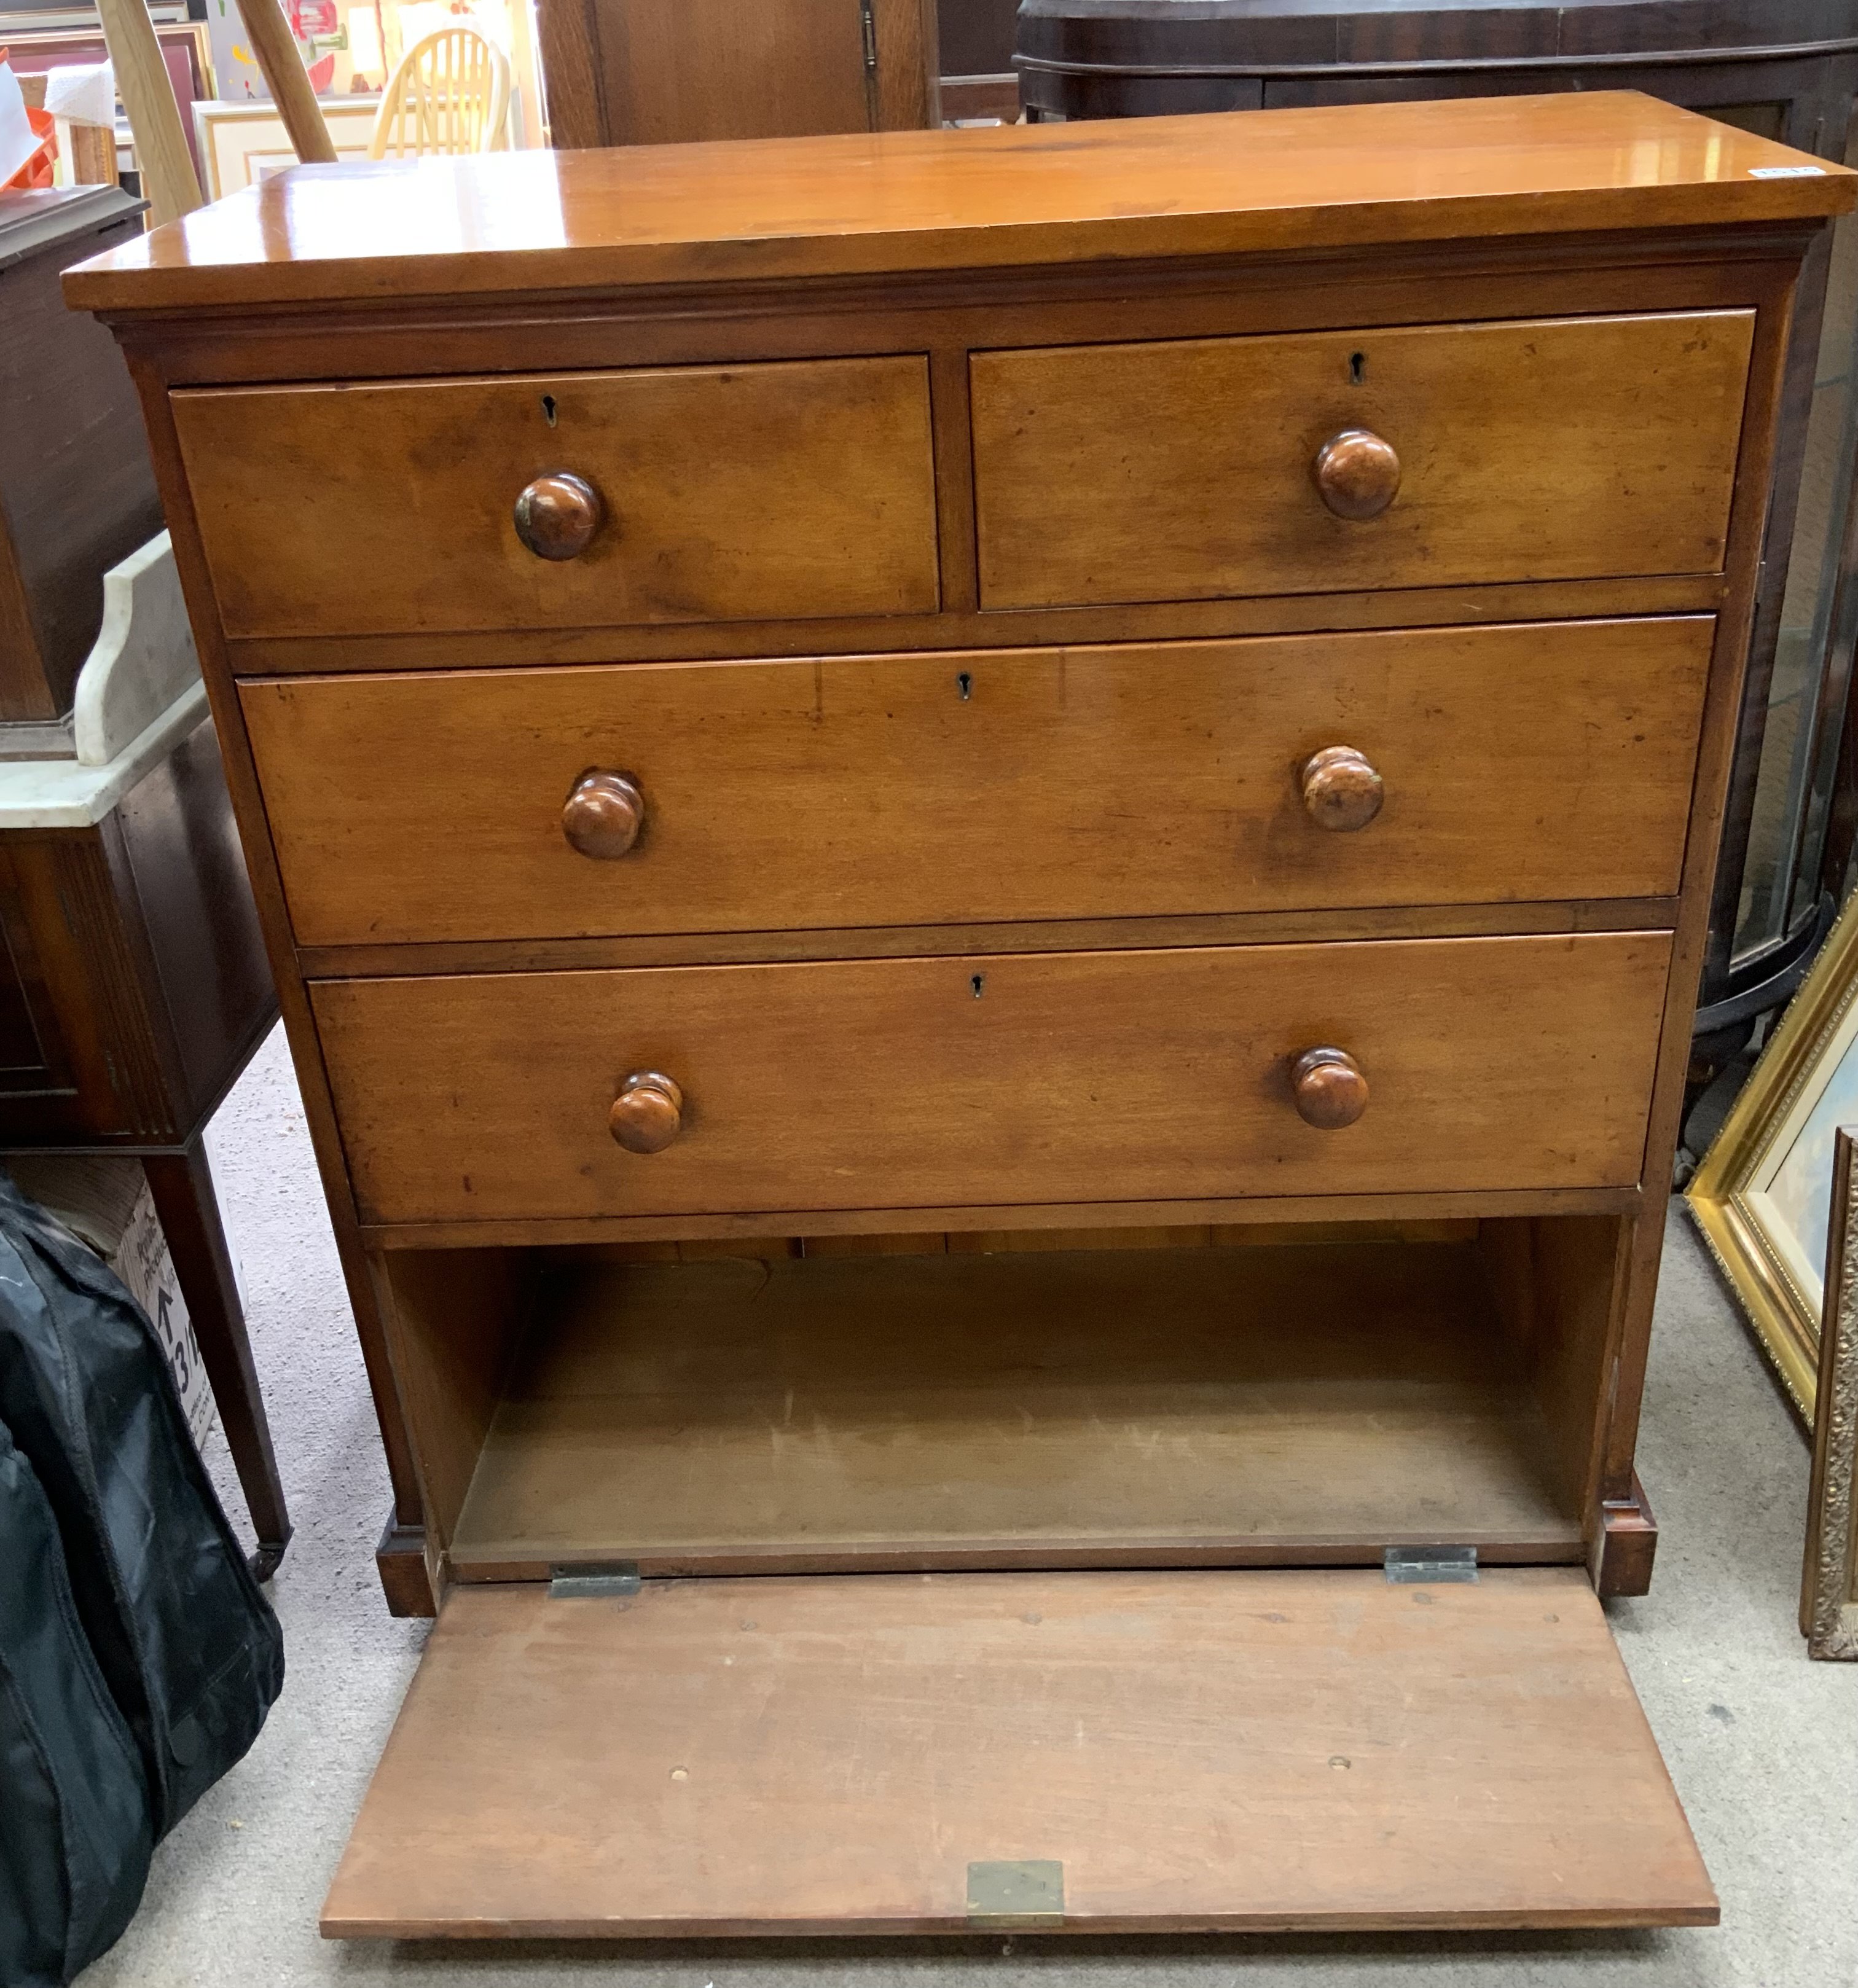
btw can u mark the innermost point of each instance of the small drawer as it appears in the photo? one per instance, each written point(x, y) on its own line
point(1435, 1065)
point(582, 500)
point(1437, 766)
point(1431, 456)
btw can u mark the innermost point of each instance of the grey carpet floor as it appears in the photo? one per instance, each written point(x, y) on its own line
point(1763, 1745)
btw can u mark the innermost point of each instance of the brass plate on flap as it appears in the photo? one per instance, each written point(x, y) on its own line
point(1028, 1893)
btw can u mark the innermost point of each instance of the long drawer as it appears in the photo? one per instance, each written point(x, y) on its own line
point(1494, 1063)
point(1423, 456)
point(1488, 764)
point(571, 500)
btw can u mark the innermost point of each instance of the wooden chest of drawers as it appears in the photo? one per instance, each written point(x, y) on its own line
point(987, 853)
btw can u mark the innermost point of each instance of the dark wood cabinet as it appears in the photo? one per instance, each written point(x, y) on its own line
point(668, 71)
point(76, 491)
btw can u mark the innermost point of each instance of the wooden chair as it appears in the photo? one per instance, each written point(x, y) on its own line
point(449, 93)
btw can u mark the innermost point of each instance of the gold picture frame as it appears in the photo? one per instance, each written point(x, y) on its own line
point(241, 144)
point(1829, 1584)
point(1763, 1196)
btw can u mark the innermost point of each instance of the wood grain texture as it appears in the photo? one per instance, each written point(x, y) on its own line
point(452, 1323)
point(1539, 762)
point(907, 82)
point(1624, 1546)
point(727, 1231)
point(1531, 451)
point(712, 69)
point(1555, 1279)
point(1079, 1076)
point(399, 1561)
point(76, 491)
point(1313, 1403)
point(822, 502)
point(367, 962)
point(1635, 1292)
point(949, 629)
point(274, 925)
point(1199, 1750)
point(568, 36)
point(1015, 195)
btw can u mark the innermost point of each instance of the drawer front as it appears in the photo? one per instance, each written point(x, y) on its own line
point(1515, 763)
point(719, 493)
point(1557, 450)
point(1489, 1064)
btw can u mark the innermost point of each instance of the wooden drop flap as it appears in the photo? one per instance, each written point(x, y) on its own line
point(915, 1753)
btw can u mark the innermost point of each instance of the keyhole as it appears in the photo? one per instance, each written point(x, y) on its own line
point(977, 981)
point(548, 409)
point(965, 684)
point(1358, 368)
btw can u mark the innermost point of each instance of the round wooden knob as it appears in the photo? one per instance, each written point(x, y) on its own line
point(1341, 789)
point(557, 514)
point(1329, 1086)
point(602, 814)
point(648, 1114)
point(1357, 474)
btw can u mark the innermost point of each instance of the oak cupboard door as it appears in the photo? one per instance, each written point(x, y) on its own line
point(1168, 1751)
point(1501, 764)
point(569, 500)
point(1414, 1065)
point(1316, 462)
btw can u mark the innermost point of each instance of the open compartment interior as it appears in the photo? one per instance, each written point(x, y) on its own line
point(1120, 1750)
point(1242, 1396)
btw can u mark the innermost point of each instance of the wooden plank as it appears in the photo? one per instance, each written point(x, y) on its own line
point(883, 202)
point(1540, 914)
point(452, 1321)
point(1182, 469)
point(844, 1411)
point(1016, 1077)
point(655, 1231)
point(1199, 1750)
point(1549, 762)
point(824, 502)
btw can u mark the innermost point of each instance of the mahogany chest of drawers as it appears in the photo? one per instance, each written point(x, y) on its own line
point(987, 853)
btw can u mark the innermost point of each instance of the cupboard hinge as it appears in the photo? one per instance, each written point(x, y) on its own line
point(591, 1582)
point(1008, 1896)
point(868, 26)
point(1432, 1565)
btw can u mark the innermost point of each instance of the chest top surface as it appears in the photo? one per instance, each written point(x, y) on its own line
point(900, 203)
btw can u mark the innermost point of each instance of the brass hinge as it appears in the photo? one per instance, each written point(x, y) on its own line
point(1429, 1566)
point(594, 1579)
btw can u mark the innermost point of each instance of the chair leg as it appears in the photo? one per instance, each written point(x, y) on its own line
point(182, 1187)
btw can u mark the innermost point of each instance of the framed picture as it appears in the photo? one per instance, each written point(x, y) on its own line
point(1828, 1586)
point(241, 144)
point(1763, 1196)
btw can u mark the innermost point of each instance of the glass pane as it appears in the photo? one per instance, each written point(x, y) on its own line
point(1789, 796)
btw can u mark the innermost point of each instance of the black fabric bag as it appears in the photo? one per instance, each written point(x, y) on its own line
point(185, 1640)
point(74, 1832)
